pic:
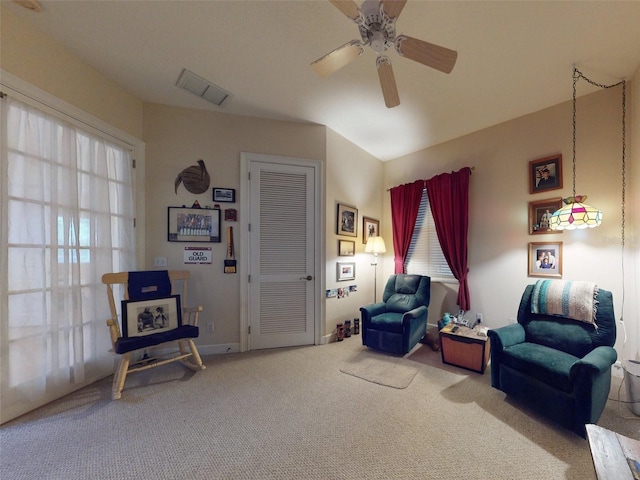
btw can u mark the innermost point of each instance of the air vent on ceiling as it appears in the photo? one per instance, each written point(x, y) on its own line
point(201, 87)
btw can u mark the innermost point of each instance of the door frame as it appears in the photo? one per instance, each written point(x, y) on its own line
point(246, 159)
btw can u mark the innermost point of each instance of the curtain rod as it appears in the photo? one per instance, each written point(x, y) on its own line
point(470, 168)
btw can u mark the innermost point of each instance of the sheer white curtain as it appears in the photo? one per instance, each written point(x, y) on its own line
point(67, 218)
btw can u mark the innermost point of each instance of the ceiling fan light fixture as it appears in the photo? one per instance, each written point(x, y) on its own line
point(376, 21)
point(202, 88)
point(378, 42)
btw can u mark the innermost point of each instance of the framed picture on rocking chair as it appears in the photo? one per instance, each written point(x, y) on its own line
point(146, 317)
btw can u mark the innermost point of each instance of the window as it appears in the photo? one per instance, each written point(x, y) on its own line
point(425, 256)
point(67, 218)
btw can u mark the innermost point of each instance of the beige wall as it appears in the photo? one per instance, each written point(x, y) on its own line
point(499, 197)
point(354, 178)
point(41, 61)
point(176, 138)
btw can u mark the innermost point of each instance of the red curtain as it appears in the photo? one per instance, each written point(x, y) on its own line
point(449, 200)
point(405, 202)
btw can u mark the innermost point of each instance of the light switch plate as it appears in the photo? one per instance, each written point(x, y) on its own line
point(159, 261)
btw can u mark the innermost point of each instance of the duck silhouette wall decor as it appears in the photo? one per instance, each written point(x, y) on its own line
point(195, 178)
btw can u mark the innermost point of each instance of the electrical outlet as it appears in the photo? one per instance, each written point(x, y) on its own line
point(479, 318)
point(210, 327)
point(159, 261)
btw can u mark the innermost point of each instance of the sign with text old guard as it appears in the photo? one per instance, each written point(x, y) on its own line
point(195, 255)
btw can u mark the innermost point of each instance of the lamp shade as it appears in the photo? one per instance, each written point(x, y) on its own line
point(375, 245)
point(575, 215)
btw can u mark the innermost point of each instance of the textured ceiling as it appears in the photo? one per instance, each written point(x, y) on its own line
point(514, 58)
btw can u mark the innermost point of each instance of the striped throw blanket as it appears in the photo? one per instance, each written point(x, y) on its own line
point(576, 300)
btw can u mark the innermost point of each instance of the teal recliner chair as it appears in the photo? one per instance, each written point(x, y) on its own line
point(397, 324)
point(558, 366)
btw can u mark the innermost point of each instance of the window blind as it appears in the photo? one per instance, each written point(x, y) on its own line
point(425, 255)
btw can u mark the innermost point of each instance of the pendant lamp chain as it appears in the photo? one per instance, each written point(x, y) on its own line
point(575, 81)
point(576, 214)
point(577, 74)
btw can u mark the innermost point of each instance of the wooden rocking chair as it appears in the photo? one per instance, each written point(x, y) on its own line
point(134, 350)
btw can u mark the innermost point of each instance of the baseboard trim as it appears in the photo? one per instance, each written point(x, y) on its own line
point(219, 348)
point(326, 339)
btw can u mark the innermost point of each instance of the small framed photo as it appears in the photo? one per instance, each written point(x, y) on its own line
point(193, 224)
point(231, 214)
point(332, 293)
point(545, 259)
point(539, 214)
point(346, 248)
point(227, 195)
point(370, 228)
point(347, 220)
point(146, 317)
point(345, 271)
point(545, 174)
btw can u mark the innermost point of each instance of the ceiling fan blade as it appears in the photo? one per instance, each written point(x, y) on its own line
point(393, 7)
point(387, 82)
point(348, 7)
point(428, 54)
point(337, 59)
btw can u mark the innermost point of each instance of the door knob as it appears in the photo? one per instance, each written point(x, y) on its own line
point(307, 278)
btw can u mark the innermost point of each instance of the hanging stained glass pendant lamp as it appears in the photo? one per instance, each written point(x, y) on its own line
point(575, 213)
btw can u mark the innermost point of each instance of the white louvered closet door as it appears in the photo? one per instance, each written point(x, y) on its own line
point(282, 245)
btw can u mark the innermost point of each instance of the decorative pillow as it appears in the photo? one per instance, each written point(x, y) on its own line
point(564, 298)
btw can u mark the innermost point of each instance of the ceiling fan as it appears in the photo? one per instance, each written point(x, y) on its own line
point(376, 20)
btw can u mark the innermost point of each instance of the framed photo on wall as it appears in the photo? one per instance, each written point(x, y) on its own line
point(539, 214)
point(347, 220)
point(227, 195)
point(346, 248)
point(545, 259)
point(370, 228)
point(193, 224)
point(545, 174)
point(345, 271)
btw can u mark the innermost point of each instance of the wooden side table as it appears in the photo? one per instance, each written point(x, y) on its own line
point(464, 348)
point(615, 457)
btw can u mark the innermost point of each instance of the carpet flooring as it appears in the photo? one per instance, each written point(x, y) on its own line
point(292, 414)
point(376, 367)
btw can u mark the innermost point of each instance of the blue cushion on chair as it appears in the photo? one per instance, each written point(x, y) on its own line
point(124, 345)
point(388, 322)
point(149, 284)
point(548, 365)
